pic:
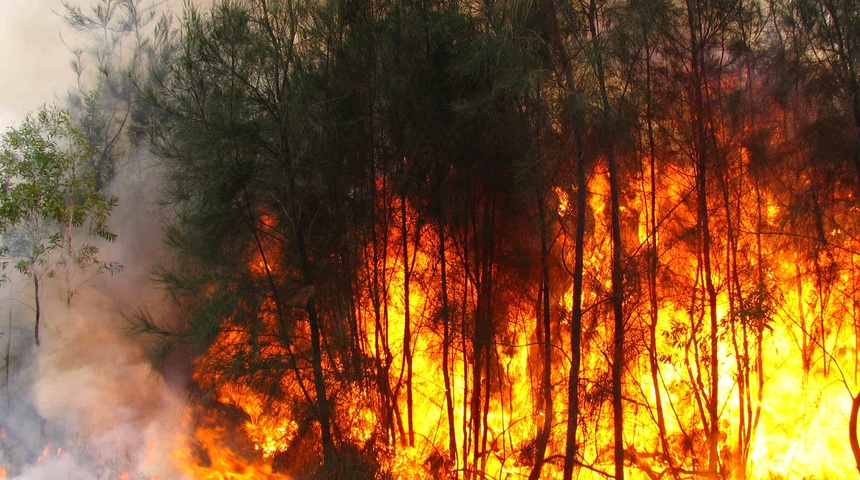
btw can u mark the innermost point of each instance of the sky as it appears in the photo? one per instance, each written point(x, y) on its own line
point(34, 62)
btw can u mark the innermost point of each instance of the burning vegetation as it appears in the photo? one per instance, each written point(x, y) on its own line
point(512, 239)
point(523, 240)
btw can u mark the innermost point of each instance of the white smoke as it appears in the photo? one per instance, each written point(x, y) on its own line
point(86, 404)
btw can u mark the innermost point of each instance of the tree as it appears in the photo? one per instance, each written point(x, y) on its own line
point(46, 196)
point(829, 48)
point(122, 39)
point(254, 207)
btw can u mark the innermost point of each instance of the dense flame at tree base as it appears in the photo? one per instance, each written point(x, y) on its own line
point(452, 239)
point(446, 239)
point(791, 405)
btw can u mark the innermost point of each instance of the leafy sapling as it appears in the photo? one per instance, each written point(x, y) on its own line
point(48, 200)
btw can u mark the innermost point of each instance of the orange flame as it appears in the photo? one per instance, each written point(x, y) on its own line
point(788, 361)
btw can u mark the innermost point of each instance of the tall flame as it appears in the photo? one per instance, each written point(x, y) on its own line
point(788, 357)
point(793, 346)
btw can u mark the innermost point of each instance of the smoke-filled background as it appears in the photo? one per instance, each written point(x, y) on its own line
point(86, 404)
point(34, 58)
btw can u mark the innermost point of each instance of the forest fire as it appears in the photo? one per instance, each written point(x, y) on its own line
point(459, 358)
point(785, 375)
point(466, 240)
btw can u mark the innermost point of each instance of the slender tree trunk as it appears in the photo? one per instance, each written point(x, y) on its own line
point(739, 321)
point(713, 399)
point(696, 367)
point(698, 111)
point(379, 251)
point(38, 306)
point(446, 322)
point(653, 265)
point(653, 304)
point(407, 320)
point(323, 408)
point(617, 248)
point(486, 412)
point(852, 430)
point(546, 380)
point(755, 414)
point(468, 435)
point(8, 366)
point(483, 334)
point(562, 59)
point(576, 318)
point(478, 346)
point(618, 313)
point(760, 325)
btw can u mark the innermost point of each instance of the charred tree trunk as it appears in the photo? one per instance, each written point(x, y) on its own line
point(314, 321)
point(713, 413)
point(379, 295)
point(618, 314)
point(468, 435)
point(653, 263)
point(483, 337)
point(740, 320)
point(698, 113)
point(407, 320)
point(703, 225)
point(852, 430)
point(305, 266)
point(561, 58)
point(617, 249)
point(760, 327)
point(576, 318)
point(446, 318)
point(545, 330)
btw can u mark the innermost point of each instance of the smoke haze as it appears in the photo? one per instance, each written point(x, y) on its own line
point(35, 61)
point(86, 403)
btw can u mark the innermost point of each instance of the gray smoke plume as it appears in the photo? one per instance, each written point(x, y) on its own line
point(87, 404)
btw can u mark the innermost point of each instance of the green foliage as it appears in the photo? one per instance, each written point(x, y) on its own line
point(123, 40)
point(47, 194)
